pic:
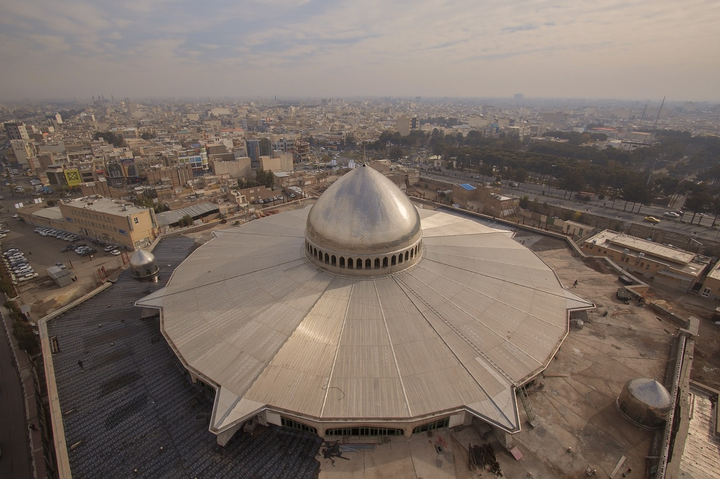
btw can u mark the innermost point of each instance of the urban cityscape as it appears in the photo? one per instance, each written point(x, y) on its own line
point(326, 241)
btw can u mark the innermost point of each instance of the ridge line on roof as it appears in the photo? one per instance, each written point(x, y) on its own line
point(407, 290)
point(392, 348)
point(337, 346)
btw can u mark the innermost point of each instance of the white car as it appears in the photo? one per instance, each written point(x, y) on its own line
point(115, 252)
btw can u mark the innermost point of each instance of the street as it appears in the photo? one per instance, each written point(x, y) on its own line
point(700, 229)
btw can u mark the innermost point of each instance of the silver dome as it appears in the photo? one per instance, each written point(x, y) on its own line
point(645, 402)
point(363, 213)
point(142, 264)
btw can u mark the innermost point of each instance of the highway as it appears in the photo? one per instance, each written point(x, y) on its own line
point(700, 229)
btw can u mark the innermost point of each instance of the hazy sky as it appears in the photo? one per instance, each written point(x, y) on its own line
point(331, 48)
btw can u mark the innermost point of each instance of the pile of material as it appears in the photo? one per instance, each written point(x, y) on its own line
point(483, 457)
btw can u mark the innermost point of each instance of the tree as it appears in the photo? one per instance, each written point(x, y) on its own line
point(698, 203)
point(572, 181)
point(634, 191)
point(396, 153)
point(265, 178)
point(185, 221)
point(524, 202)
point(520, 175)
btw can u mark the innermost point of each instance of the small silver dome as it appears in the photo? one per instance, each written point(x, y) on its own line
point(645, 402)
point(142, 264)
point(363, 217)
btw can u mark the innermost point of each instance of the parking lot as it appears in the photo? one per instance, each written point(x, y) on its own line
point(42, 252)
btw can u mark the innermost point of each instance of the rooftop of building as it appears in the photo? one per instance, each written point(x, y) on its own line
point(106, 205)
point(573, 401)
point(715, 272)
point(501, 312)
point(667, 253)
point(131, 410)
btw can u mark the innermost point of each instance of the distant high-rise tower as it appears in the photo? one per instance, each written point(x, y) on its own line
point(414, 123)
point(403, 125)
point(16, 131)
point(253, 151)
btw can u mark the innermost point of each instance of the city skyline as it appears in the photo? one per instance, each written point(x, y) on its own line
point(625, 50)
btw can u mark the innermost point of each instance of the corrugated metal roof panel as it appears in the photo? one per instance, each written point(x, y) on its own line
point(476, 315)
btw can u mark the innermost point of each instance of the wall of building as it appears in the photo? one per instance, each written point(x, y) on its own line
point(134, 230)
point(237, 168)
point(281, 162)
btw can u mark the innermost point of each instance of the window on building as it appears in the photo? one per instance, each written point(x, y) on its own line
point(364, 431)
point(431, 426)
point(287, 422)
point(136, 220)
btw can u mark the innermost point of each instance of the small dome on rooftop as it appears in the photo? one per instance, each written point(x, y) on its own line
point(645, 402)
point(142, 264)
point(141, 258)
point(363, 213)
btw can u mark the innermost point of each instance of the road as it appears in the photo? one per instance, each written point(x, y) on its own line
point(700, 228)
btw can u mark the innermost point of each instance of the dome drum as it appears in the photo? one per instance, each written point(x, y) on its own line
point(363, 264)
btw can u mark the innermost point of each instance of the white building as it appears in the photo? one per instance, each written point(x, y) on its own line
point(364, 316)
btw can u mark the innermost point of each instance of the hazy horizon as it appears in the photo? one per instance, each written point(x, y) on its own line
point(627, 50)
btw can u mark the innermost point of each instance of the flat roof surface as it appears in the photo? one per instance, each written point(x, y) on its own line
point(106, 205)
point(169, 217)
point(51, 213)
point(715, 272)
point(134, 406)
point(476, 316)
point(648, 247)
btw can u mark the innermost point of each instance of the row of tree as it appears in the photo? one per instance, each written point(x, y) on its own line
point(676, 164)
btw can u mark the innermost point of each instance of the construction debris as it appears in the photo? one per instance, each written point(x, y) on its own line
point(332, 450)
point(483, 457)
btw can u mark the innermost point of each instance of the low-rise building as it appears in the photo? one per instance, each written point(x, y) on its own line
point(711, 285)
point(110, 221)
point(661, 265)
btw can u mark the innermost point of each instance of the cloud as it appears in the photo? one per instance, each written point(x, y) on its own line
point(423, 47)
